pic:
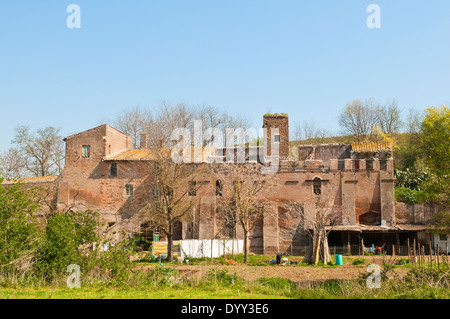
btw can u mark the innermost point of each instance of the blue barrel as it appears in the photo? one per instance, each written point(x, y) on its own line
point(338, 259)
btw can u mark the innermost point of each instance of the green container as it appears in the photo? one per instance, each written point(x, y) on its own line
point(155, 237)
point(338, 259)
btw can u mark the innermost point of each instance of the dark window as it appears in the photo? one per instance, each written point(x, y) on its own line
point(369, 165)
point(219, 188)
point(443, 237)
point(276, 138)
point(356, 165)
point(129, 189)
point(383, 165)
point(192, 188)
point(86, 151)
point(113, 169)
point(317, 186)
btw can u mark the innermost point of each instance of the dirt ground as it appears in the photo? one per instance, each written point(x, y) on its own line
point(298, 274)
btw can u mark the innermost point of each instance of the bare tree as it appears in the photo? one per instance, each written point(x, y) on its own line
point(168, 201)
point(11, 164)
point(159, 122)
point(43, 150)
point(388, 117)
point(243, 185)
point(130, 122)
point(413, 121)
point(317, 226)
point(358, 118)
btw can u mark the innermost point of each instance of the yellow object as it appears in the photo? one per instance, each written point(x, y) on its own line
point(160, 247)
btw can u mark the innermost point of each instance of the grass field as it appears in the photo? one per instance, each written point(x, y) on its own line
point(256, 280)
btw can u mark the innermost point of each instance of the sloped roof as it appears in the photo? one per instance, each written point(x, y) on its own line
point(362, 227)
point(95, 128)
point(152, 154)
point(360, 147)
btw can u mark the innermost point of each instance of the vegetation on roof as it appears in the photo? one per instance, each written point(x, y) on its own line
point(275, 114)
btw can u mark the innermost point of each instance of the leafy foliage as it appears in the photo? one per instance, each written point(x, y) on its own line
point(19, 233)
point(65, 233)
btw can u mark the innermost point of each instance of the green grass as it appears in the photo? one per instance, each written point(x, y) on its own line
point(166, 282)
point(101, 292)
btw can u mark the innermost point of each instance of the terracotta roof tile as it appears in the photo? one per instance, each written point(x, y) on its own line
point(151, 154)
point(360, 147)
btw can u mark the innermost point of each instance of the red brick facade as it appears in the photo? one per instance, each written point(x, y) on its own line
point(102, 172)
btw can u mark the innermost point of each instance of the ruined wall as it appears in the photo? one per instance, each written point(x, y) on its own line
point(324, 152)
point(84, 182)
point(282, 123)
point(348, 190)
point(420, 214)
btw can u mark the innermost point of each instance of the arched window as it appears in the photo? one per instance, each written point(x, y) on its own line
point(317, 186)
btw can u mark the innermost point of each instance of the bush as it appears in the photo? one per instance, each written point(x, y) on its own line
point(411, 196)
point(162, 276)
point(358, 261)
point(277, 283)
point(19, 232)
point(64, 234)
point(222, 277)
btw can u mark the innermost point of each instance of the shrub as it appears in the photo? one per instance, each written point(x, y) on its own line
point(411, 196)
point(19, 232)
point(358, 261)
point(64, 234)
point(222, 277)
point(277, 283)
point(332, 286)
point(162, 276)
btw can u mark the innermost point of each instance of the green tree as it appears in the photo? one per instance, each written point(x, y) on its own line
point(65, 236)
point(19, 232)
point(435, 140)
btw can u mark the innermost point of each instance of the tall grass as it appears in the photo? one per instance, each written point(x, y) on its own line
point(168, 282)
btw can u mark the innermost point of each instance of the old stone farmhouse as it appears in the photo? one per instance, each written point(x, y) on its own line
point(104, 173)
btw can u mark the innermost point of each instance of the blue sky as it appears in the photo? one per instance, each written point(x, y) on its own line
point(245, 57)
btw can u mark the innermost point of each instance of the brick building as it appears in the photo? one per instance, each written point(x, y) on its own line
point(355, 181)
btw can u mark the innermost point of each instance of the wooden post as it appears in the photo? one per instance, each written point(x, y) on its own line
point(423, 256)
point(438, 263)
point(414, 251)
point(435, 260)
point(446, 254)
point(408, 251)
point(430, 258)
point(418, 255)
point(362, 246)
point(393, 250)
point(349, 251)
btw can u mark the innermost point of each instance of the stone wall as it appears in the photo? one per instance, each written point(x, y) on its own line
point(281, 122)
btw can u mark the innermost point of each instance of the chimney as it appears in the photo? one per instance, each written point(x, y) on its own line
point(281, 122)
point(143, 142)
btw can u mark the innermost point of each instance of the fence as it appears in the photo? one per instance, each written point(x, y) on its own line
point(198, 248)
